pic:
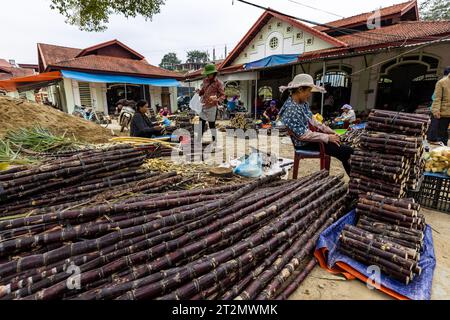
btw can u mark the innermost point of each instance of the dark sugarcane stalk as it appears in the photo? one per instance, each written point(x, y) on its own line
point(297, 280)
point(419, 225)
point(375, 242)
point(375, 126)
point(393, 234)
point(375, 155)
point(402, 115)
point(375, 166)
point(389, 207)
point(309, 244)
point(359, 189)
point(391, 142)
point(253, 289)
point(53, 173)
point(91, 229)
point(412, 253)
point(387, 212)
point(156, 276)
point(369, 249)
point(162, 263)
point(104, 241)
point(404, 243)
point(378, 185)
point(366, 260)
point(384, 226)
point(396, 121)
point(258, 253)
point(404, 203)
point(395, 137)
point(397, 164)
point(239, 287)
point(389, 148)
point(49, 186)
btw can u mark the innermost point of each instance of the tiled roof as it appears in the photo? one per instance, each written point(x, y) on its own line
point(401, 34)
point(8, 72)
point(360, 18)
point(57, 57)
point(404, 31)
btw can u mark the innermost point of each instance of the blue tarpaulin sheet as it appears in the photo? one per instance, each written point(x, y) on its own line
point(272, 61)
point(419, 289)
point(436, 175)
point(111, 78)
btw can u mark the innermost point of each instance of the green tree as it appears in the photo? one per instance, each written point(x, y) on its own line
point(93, 15)
point(169, 61)
point(196, 56)
point(435, 10)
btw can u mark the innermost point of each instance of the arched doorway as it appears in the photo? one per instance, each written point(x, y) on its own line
point(338, 83)
point(407, 82)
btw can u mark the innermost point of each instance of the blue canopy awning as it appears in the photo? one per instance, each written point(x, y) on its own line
point(272, 61)
point(107, 78)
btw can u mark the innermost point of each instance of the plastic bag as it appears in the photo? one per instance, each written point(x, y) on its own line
point(196, 104)
point(252, 167)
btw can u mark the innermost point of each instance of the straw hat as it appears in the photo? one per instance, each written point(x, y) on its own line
point(303, 80)
point(347, 107)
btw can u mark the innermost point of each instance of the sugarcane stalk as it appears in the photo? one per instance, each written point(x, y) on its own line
point(298, 280)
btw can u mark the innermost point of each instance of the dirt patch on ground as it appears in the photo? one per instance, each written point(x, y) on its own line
point(17, 114)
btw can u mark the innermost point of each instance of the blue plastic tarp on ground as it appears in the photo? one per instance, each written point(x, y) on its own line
point(111, 78)
point(419, 289)
point(272, 61)
point(436, 175)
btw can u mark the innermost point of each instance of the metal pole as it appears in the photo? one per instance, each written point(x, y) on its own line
point(256, 97)
point(126, 95)
point(323, 83)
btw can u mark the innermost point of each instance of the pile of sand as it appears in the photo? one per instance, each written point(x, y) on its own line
point(15, 114)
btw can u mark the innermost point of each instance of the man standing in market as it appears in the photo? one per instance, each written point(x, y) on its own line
point(212, 96)
point(441, 105)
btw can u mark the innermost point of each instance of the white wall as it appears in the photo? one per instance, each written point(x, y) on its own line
point(288, 43)
point(155, 96)
point(173, 98)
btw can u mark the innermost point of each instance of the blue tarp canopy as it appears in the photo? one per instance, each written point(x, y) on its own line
point(107, 78)
point(272, 61)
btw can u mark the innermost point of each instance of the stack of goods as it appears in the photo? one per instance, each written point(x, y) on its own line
point(72, 178)
point(241, 122)
point(389, 160)
point(389, 234)
point(423, 110)
point(438, 160)
point(154, 148)
point(352, 137)
point(243, 241)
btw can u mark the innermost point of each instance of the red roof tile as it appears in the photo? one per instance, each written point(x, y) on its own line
point(404, 33)
point(57, 57)
point(361, 18)
point(8, 72)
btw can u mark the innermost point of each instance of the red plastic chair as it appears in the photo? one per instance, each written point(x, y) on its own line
point(325, 160)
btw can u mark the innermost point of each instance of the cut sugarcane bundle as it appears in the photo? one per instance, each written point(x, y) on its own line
point(197, 244)
point(389, 234)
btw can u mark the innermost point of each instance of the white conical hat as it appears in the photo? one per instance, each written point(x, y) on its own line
point(303, 80)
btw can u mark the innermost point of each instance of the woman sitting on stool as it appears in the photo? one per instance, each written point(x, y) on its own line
point(141, 126)
point(297, 117)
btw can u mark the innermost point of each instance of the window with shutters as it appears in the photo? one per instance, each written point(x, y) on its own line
point(85, 94)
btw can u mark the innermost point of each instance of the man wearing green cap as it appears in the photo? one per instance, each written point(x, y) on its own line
point(213, 95)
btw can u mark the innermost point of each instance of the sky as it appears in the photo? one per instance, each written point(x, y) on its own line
point(181, 25)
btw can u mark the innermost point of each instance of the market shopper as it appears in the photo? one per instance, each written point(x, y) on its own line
point(212, 94)
point(141, 125)
point(348, 114)
point(298, 118)
point(441, 106)
point(271, 113)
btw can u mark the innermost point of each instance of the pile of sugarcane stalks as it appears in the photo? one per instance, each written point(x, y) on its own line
point(74, 179)
point(352, 138)
point(389, 234)
point(386, 161)
point(241, 241)
point(398, 122)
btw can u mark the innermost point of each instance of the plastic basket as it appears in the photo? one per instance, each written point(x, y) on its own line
point(434, 192)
